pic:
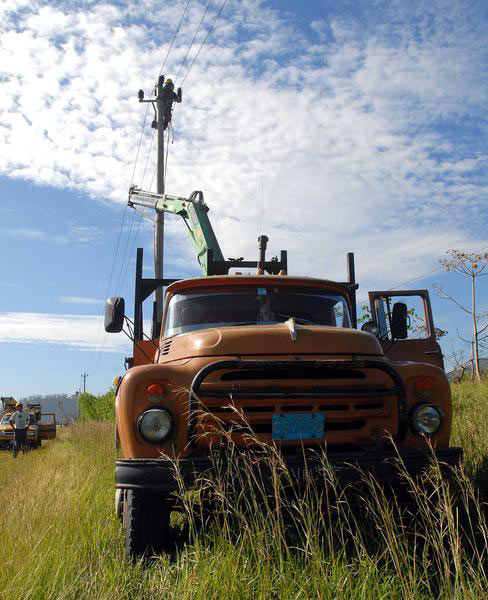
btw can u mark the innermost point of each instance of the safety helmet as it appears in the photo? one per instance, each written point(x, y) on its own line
point(169, 81)
point(18, 405)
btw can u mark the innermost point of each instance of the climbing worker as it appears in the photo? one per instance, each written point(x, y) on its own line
point(169, 96)
point(19, 421)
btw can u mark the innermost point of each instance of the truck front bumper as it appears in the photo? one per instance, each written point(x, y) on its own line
point(167, 476)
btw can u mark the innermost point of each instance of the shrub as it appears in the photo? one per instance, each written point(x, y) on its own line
point(98, 408)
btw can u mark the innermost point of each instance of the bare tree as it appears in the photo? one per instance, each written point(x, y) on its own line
point(458, 358)
point(471, 266)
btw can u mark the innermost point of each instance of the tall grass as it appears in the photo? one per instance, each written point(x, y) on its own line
point(60, 537)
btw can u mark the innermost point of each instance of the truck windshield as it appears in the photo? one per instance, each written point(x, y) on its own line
point(206, 308)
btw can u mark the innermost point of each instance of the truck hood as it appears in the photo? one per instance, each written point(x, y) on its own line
point(282, 338)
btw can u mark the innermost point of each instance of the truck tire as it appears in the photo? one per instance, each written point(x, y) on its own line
point(146, 521)
point(119, 504)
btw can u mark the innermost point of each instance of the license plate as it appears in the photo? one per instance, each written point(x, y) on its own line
point(300, 426)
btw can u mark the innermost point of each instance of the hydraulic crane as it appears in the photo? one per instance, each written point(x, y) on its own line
point(194, 213)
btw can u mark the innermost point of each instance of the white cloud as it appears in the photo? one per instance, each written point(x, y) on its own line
point(27, 233)
point(82, 332)
point(76, 234)
point(367, 139)
point(79, 300)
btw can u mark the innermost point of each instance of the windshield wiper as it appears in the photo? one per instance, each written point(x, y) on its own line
point(299, 320)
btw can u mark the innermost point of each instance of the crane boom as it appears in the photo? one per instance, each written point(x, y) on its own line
point(194, 213)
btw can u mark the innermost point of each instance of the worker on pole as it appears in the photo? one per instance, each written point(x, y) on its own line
point(169, 97)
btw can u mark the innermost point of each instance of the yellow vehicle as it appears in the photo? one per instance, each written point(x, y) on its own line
point(285, 353)
point(42, 426)
point(7, 434)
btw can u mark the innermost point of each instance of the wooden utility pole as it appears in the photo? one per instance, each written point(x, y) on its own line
point(163, 104)
point(159, 220)
point(83, 377)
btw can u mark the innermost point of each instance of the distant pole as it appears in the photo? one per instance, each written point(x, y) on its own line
point(83, 377)
point(159, 222)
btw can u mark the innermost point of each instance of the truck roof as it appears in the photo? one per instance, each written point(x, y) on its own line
point(252, 278)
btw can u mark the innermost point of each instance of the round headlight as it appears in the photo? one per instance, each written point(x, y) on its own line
point(155, 425)
point(426, 419)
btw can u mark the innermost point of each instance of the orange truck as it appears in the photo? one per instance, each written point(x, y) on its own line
point(286, 354)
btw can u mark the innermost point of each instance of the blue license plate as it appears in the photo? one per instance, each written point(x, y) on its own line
point(300, 426)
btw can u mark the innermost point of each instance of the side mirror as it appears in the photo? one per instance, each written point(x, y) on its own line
point(371, 327)
point(399, 321)
point(114, 315)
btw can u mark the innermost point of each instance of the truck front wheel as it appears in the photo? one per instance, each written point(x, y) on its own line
point(146, 521)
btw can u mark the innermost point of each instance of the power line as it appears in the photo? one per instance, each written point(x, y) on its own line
point(139, 147)
point(429, 273)
point(166, 159)
point(415, 279)
point(118, 287)
point(108, 285)
point(132, 247)
point(147, 158)
point(174, 37)
point(194, 36)
point(203, 43)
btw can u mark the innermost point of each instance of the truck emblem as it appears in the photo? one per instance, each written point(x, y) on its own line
point(292, 326)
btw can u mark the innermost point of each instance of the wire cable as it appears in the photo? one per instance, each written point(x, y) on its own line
point(204, 41)
point(166, 160)
point(174, 36)
point(118, 287)
point(193, 39)
point(429, 273)
point(147, 158)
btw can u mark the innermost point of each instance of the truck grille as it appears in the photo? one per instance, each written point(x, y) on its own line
point(361, 400)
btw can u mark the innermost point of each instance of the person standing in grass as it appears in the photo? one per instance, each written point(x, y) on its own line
point(19, 421)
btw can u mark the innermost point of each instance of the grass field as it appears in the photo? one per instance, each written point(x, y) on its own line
point(60, 537)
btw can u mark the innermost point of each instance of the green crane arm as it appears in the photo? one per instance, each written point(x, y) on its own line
point(194, 213)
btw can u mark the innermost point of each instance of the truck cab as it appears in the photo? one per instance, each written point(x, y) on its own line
point(278, 360)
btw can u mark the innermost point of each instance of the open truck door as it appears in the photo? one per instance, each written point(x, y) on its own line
point(406, 326)
point(47, 426)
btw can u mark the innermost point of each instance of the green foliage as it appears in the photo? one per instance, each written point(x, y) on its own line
point(365, 315)
point(97, 408)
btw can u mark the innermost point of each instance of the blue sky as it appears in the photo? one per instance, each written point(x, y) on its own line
point(329, 126)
